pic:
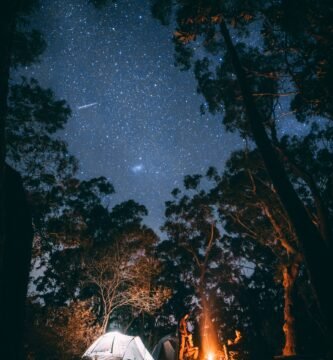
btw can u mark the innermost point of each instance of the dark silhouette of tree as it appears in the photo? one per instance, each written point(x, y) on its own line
point(308, 161)
point(251, 211)
point(196, 266)
point(301, 40)
point(206, 25)
point(18, 46)
point(106, 257)
point(60, 333)
point(16, 264)
point(265, 289)
point(44, 163)
point(233, 277)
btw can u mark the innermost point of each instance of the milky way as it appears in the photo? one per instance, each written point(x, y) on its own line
point(136, 116)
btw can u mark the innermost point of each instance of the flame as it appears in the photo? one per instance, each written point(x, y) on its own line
point(209, 340)
point(210, 356)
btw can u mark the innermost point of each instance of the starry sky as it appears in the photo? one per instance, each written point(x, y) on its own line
point(136, 117)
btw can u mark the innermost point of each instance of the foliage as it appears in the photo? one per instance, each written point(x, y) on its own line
point(65, 332)
point(302, 39)
point(282, 57)
point(28, 43)
point(108, 259)
point(122, 276)
point(244, 280)
point(255, 220)
point(256, 69)
point(203, 274)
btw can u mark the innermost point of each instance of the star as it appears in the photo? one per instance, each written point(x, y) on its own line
point(137, 168)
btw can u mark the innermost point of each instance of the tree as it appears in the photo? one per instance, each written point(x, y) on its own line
point(64, 332)
point(19, 46)
point(208, 23)
point(17, 249)
point(123, 277)
point(196, 264)
point(307, 161)
point(252, 211)
point(78, 220)
point(103, 255)
point(34, 148)
point(303, 47)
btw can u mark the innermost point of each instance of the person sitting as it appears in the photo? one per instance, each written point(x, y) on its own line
point(186, 348)
point(234, 346)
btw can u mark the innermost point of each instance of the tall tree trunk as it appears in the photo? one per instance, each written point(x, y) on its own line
point(290, 273)
point(17, 258)
point(105, 323)
point(8, 12)
point(15, 220)
point(317, 256)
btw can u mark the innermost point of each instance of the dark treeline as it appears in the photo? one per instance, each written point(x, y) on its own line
point(251, 245)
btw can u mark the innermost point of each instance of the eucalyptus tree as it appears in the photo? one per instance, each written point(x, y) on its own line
point(243, 74)
point(106, 256)
point(251, 212)
point(123, 276)
point(196, 266)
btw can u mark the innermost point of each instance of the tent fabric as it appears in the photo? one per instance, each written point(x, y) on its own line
point(117, 346)
point(166, 349)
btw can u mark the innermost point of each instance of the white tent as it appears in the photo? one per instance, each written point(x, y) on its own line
point(117, 346)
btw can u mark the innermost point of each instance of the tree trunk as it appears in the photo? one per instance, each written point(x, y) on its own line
point(290, 274)
point(15, 220)
point(8, 12)
point(105, 323)
point(17, 258)
point(317, 256)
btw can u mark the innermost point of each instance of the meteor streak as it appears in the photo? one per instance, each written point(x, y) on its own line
point(87, 106)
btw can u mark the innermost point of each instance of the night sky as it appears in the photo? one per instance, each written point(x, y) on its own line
point(136, 117)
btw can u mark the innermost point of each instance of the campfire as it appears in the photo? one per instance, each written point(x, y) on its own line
point(211, 348)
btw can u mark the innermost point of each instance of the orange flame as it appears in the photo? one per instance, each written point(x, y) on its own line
point(209, 339)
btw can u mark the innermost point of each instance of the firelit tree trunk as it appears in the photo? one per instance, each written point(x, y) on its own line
point(317, 255)
point(290, 273)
